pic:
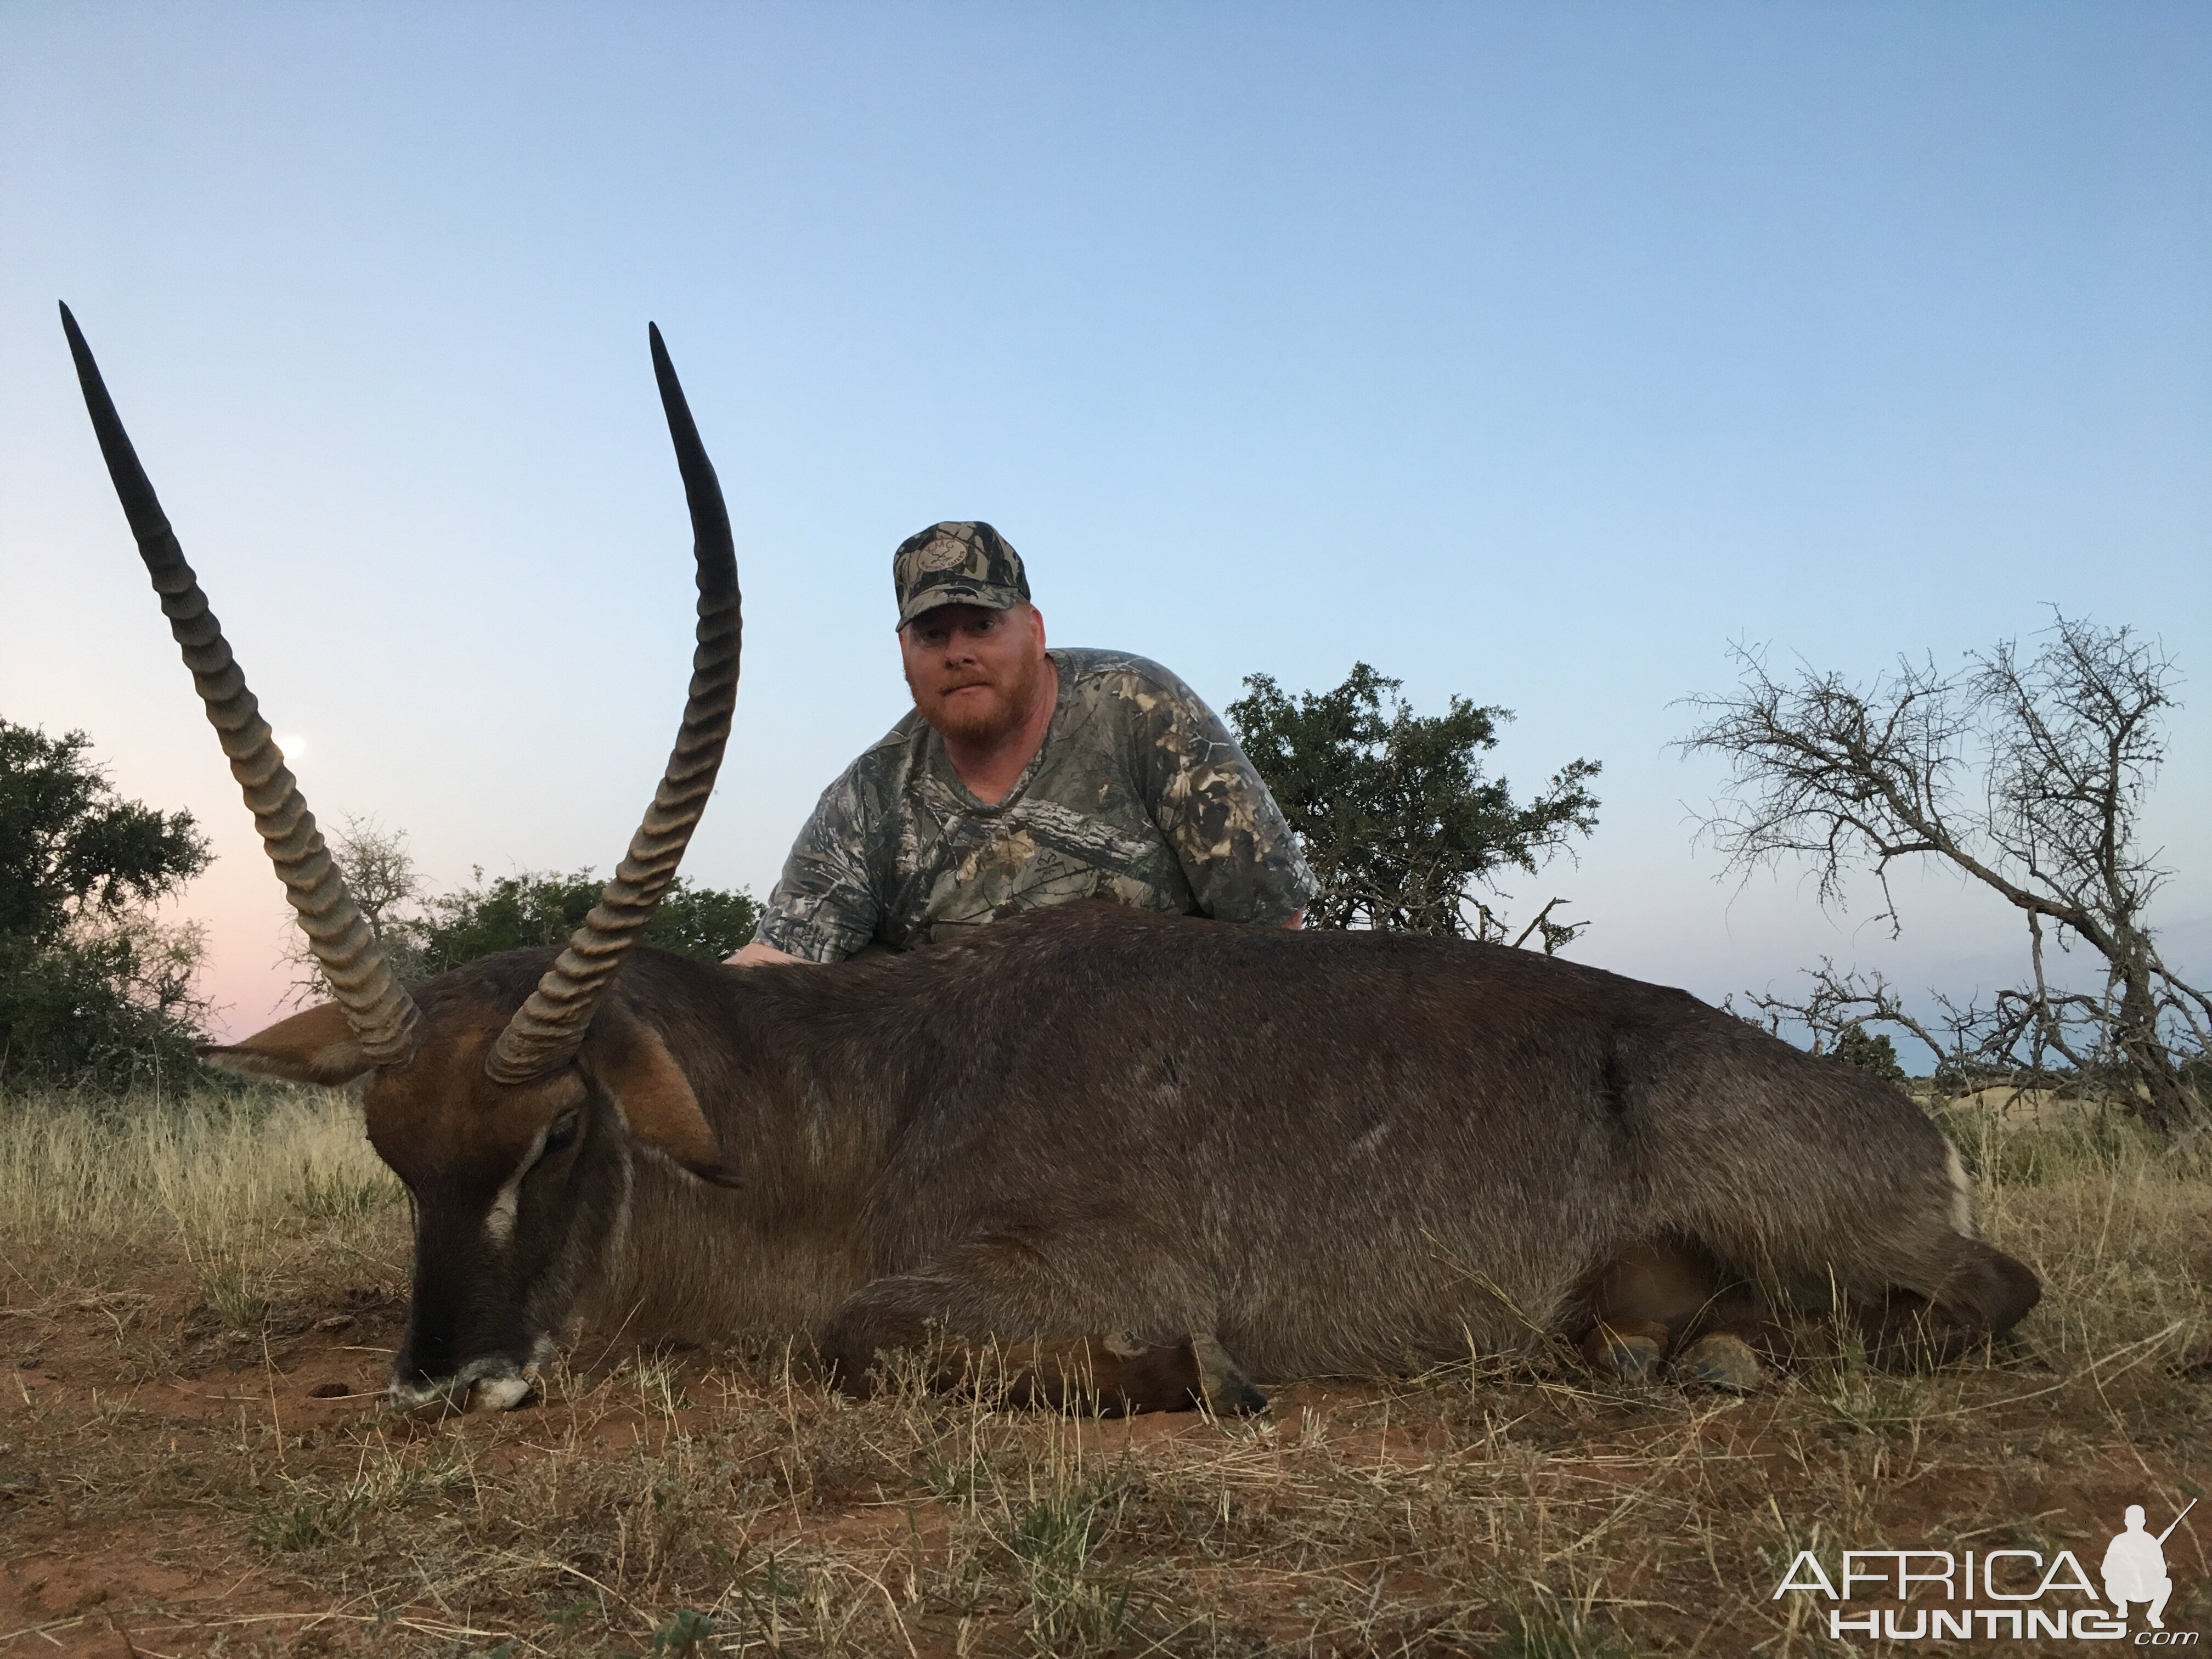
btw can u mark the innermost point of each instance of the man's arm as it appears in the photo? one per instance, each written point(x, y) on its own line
point(824, 907)
point(1235, 846)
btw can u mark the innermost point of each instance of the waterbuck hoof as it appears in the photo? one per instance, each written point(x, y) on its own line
point(1629, 1351)
point(1225, 1391)
point(1724, 1362)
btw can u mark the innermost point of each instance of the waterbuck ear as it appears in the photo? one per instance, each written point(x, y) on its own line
point(316, 1047)
point(627, 1058)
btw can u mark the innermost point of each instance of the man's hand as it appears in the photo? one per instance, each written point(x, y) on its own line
point(1296, 922)
point(758, 955)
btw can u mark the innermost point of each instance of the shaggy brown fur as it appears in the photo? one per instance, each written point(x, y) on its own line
point(1321, 1151)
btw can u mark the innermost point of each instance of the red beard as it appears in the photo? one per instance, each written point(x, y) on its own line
point(996, 710)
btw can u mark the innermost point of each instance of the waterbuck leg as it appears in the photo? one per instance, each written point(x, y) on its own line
point(1629, 1349)
point(1723, 1359)
point(1641, 1301)
point(994, 1316)
point(1650, 1296)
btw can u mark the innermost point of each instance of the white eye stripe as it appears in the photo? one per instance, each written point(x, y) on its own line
point(499, 1220)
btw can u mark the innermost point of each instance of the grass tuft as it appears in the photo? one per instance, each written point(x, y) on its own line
point(231, 1293)
point(1540, 1628)
point(1061, 1541)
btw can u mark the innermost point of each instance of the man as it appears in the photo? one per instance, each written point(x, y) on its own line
point(1024, 777)
point(2135, 1568)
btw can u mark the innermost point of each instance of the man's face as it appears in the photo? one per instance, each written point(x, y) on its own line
point(975, 673)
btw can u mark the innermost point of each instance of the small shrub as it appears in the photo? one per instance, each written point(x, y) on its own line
point(1540, 1628)
point(309, 1521)
point(1869, 1051)
point(956, 1481)
point(324, 1194)
point(682, 1635)
point(1057, 1541)
point(234, 1296)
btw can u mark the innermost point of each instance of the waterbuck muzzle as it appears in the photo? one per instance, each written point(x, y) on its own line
point(472, 1325)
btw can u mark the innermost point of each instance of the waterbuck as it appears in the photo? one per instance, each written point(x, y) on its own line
point(1147, 1160)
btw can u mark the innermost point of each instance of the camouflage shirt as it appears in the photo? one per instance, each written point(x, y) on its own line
point(1138, 793)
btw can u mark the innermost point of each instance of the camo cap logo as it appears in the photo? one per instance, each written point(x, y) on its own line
point(956, 562)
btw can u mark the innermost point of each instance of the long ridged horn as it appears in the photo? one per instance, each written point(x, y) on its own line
point(383, 1016)
point(547, 1029)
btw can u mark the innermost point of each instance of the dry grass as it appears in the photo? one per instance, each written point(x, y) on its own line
point(232, 1185)
point(177, 1280)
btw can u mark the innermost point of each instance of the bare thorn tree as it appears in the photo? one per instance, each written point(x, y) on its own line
point(2029, 775)
point(380, 874)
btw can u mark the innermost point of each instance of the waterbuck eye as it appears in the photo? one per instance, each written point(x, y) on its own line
point(562, 1135)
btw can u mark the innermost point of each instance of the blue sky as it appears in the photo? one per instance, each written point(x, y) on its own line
point(1530, 353)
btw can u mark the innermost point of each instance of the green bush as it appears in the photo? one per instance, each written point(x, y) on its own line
point(95, 991)
point(1869, 1051)
point(541, 908)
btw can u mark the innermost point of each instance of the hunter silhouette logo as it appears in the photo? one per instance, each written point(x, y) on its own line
point(2134, 1566)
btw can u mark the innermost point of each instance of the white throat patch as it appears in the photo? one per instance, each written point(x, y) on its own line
point(1962, 1192)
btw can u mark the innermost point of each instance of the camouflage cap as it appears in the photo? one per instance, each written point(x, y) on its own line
point(955, 563)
